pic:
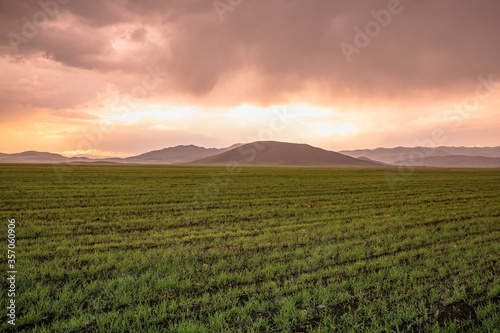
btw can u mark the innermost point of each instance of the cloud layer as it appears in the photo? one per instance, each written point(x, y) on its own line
point(72, 59)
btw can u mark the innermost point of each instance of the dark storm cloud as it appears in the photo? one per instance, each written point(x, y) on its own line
point(428, 46)
point(139, 35)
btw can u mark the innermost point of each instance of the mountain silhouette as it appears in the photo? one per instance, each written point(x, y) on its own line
point(272, 153)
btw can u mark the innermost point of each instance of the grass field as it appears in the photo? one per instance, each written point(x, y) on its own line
point(177, 249)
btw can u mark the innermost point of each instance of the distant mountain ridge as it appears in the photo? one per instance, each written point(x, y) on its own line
point(38, 158)
point(177, 154)
point(453, 161)
point(398, 154)
point(282, 153)
point(272, 153)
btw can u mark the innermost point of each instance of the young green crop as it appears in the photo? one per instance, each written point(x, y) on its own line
point(189, 249)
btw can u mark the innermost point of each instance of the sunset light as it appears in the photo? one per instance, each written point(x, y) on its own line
point(250, 166)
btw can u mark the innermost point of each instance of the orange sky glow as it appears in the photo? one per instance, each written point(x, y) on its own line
point(119, 78)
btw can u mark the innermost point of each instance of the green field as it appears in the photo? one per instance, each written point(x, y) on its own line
point(177, 249)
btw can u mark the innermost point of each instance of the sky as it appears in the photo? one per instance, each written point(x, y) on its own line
point(123, 77)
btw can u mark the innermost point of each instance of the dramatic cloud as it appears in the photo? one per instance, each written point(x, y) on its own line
point(394, 65)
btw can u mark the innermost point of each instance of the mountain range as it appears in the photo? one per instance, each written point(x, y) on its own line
point(272, 153)
point(393, 155)
point(452, 161)
point(172, 155)
point(442, 157)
